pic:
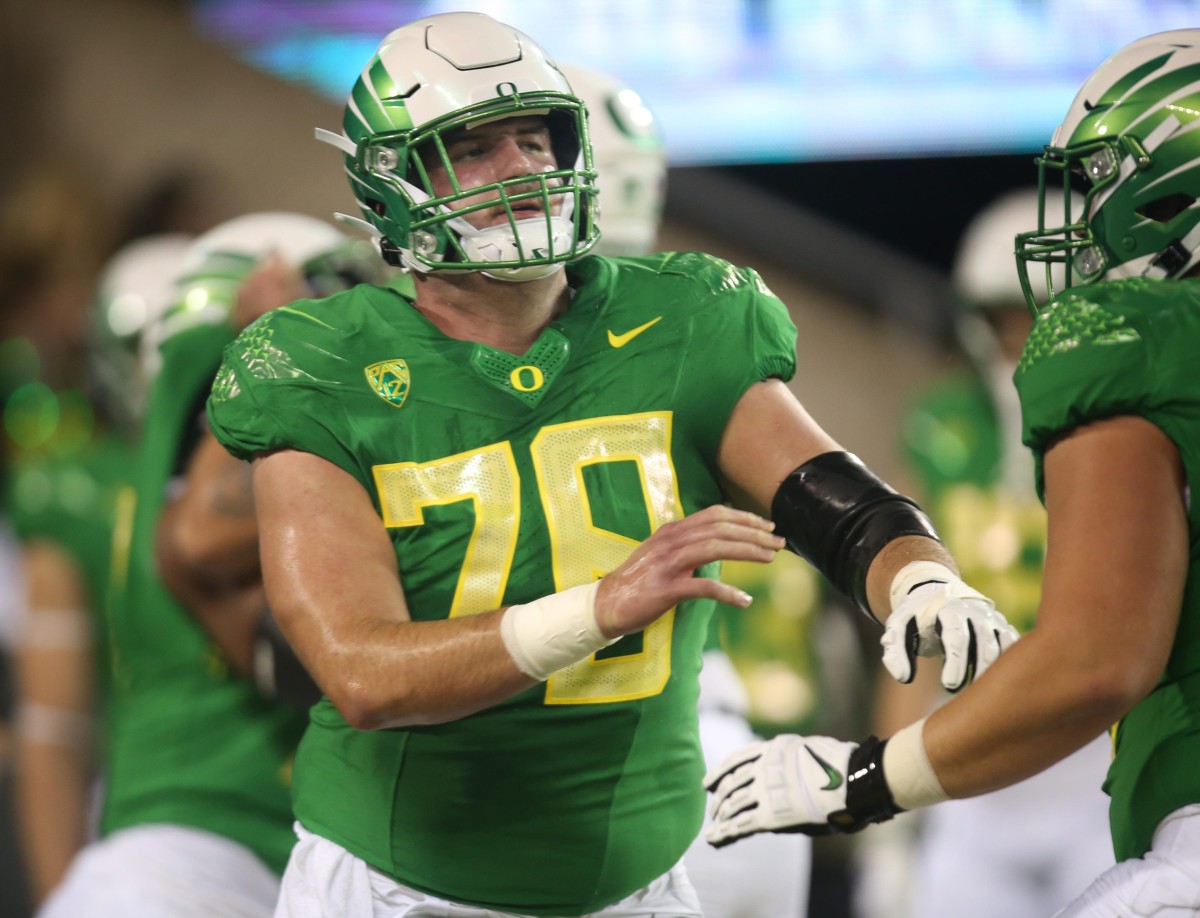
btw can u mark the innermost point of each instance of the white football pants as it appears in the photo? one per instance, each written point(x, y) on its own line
point(1163, 884)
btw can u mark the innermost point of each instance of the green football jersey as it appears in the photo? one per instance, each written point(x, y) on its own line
point(1129, 348)
point(500, 479)
point(191, 742)
point(952, 441)
point(72, 502)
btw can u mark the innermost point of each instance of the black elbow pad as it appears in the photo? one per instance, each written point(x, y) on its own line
point(837, 514)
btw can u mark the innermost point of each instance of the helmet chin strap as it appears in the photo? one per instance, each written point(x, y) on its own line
point(504, 242)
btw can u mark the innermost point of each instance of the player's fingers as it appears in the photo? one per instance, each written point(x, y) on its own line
point(899, 659)
point(1008, 636)
point(696, 554)
point(739, 800)
point(959, 642)
point(988, 648)
point(730, 764)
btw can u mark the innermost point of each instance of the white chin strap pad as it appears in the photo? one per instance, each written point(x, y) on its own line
point(534, 237)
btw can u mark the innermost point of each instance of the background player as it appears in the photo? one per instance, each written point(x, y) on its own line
point(1046, 836)
point(197, 814)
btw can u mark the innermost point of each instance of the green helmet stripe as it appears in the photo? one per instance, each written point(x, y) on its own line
point(376, 115)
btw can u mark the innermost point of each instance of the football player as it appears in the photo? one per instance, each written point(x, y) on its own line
point(1047, 836)
point(196, 816)
point(481, 509)
point(1110, 408)
point(65, 509)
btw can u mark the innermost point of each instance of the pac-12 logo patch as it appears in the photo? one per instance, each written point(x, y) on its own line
point(390, 380)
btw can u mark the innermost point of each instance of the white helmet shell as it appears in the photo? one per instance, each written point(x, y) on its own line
point(630, 161)
point(985, 273)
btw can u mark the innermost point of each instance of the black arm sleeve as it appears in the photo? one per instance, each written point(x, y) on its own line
point(837, 514)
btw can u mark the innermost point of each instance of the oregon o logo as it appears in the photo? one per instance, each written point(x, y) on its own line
point(526, 379)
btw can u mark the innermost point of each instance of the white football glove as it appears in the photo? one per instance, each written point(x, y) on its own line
point(816, 785)
point(935, 614)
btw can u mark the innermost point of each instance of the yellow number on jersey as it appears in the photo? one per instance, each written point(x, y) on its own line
point(580, 551)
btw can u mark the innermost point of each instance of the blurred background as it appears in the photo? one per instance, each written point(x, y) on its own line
point(838, 146)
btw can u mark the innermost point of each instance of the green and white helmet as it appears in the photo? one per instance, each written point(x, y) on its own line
point(219, 261)
point(136, 288)
point(453, 71)
point(630, 159)
point(1132, 138)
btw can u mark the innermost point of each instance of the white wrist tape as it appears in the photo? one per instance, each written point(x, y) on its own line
point(48, 725)
point(555, 631)
point(919, 572)
point(906, 768)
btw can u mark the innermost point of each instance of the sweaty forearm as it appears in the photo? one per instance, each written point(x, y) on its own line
point(1036, 706)
point(387, 673)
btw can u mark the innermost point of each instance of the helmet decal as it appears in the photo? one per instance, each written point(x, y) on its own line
point(1131, 144)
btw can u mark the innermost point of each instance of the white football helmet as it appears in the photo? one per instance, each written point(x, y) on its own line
point(433, 77)
point(136, 288)
point(984, 275)
point(217, 262)
point(630, 161)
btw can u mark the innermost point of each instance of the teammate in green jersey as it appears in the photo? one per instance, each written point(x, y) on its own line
point(68, 509)
point(1111, 409)
point(1047, 835)
point(481, 509)
point(196, 813)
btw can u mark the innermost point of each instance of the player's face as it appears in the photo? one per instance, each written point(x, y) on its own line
point(490, 153)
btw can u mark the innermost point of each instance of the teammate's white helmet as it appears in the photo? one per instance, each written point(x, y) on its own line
point(136, 288)
point(984, 274)
point(630, 161)
point(433, 77)
point(218, 262)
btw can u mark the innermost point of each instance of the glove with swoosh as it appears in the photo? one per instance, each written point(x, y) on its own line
point(816, 785)
point(935, 614)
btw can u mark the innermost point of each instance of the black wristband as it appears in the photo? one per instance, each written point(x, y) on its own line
point(868, 797)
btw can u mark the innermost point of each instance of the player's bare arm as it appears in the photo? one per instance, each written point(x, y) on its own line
point(331, 576)
point(873, 544)
point(1110, 606)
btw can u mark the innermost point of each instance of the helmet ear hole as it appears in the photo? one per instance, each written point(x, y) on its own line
point(1167, 208)
point(377, 206)
point(563, 140)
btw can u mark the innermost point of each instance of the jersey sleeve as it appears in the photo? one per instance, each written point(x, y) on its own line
point(1085, 360)
point(278, 388)
point(759, 320)
point(742, 332)
point(775, 335)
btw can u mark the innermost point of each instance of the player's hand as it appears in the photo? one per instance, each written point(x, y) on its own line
point(274, 282)
point(798, 784)
point(660, 573)
point(944, 617)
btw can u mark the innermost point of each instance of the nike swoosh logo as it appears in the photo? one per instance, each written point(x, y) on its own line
point(622, 340)
point(834, 776)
